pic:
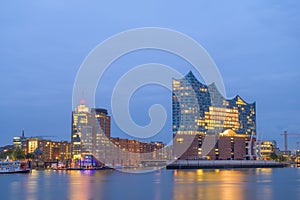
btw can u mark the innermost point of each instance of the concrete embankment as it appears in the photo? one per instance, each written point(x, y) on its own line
point(218, 164)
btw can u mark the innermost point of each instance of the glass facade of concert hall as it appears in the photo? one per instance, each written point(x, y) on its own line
point(199, 109)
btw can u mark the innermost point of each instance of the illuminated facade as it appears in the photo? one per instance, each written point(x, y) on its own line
point(266, 148)
point(60, 150)
point(90, 132)
point(101, 130)
point(82, 131)
point(17, 140)
point(46, 150)
point(103, 119)
point(138, 151)
point(201, 112)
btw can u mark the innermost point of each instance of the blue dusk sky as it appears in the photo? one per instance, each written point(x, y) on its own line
point(255, 45)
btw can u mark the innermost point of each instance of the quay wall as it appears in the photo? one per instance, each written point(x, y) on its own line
point(217, 164)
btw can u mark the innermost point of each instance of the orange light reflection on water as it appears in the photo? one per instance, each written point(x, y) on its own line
point(213, 184)
point(79, 185)
point(31, 187)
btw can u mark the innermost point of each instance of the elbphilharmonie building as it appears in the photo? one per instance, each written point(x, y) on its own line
point(200, 111)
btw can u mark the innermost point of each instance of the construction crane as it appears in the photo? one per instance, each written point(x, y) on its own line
point(285, 138)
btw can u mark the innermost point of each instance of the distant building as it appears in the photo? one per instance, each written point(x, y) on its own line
point(103, 119)
point(90, 131)
point(127, 152)
point(266, 148)
point(132, 152)
point(60, 150)
point(17, 141)
point(215, 127)
point(82, 132)
point(46, 150)
point(91, 136)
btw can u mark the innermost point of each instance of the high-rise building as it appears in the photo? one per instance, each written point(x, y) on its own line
point(204, 118)
point(103, 119)
point(81, 131)
point(90, 131)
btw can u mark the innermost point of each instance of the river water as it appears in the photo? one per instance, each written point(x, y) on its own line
point(233, 184)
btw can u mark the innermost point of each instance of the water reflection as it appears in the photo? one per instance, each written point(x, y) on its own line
point(238, 184)
point(219, 184)
point(31, 186)
point(81, 184)
point(91, 184)
point(264, 171)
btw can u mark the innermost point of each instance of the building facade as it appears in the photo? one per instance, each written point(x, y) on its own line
point(103, 119)
point(90, 136)
point(46, 150)
point(265, 148)
point(206, 120)
point(81, 132)
point(90, 132)
point(17, 140)
point(133, 152)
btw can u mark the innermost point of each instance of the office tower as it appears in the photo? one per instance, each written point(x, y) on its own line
point(103, 120)
point(81, 134)
point(90, 132)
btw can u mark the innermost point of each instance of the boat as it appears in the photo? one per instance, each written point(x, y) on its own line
point(8, 167)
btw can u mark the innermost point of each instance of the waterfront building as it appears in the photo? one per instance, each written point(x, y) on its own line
point(46, 150)
point(103, 119)
point(81, 131)
point(266, 148)
point(132, 152)
point(60, 150)
point(207, 125)
point(101, 131)
point(126, 153)
point(17, 140)
point(155, 149)
point(90, 135)
point(90, 132)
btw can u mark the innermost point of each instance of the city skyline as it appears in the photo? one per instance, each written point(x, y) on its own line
point(255, 52)
point(150, 99)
